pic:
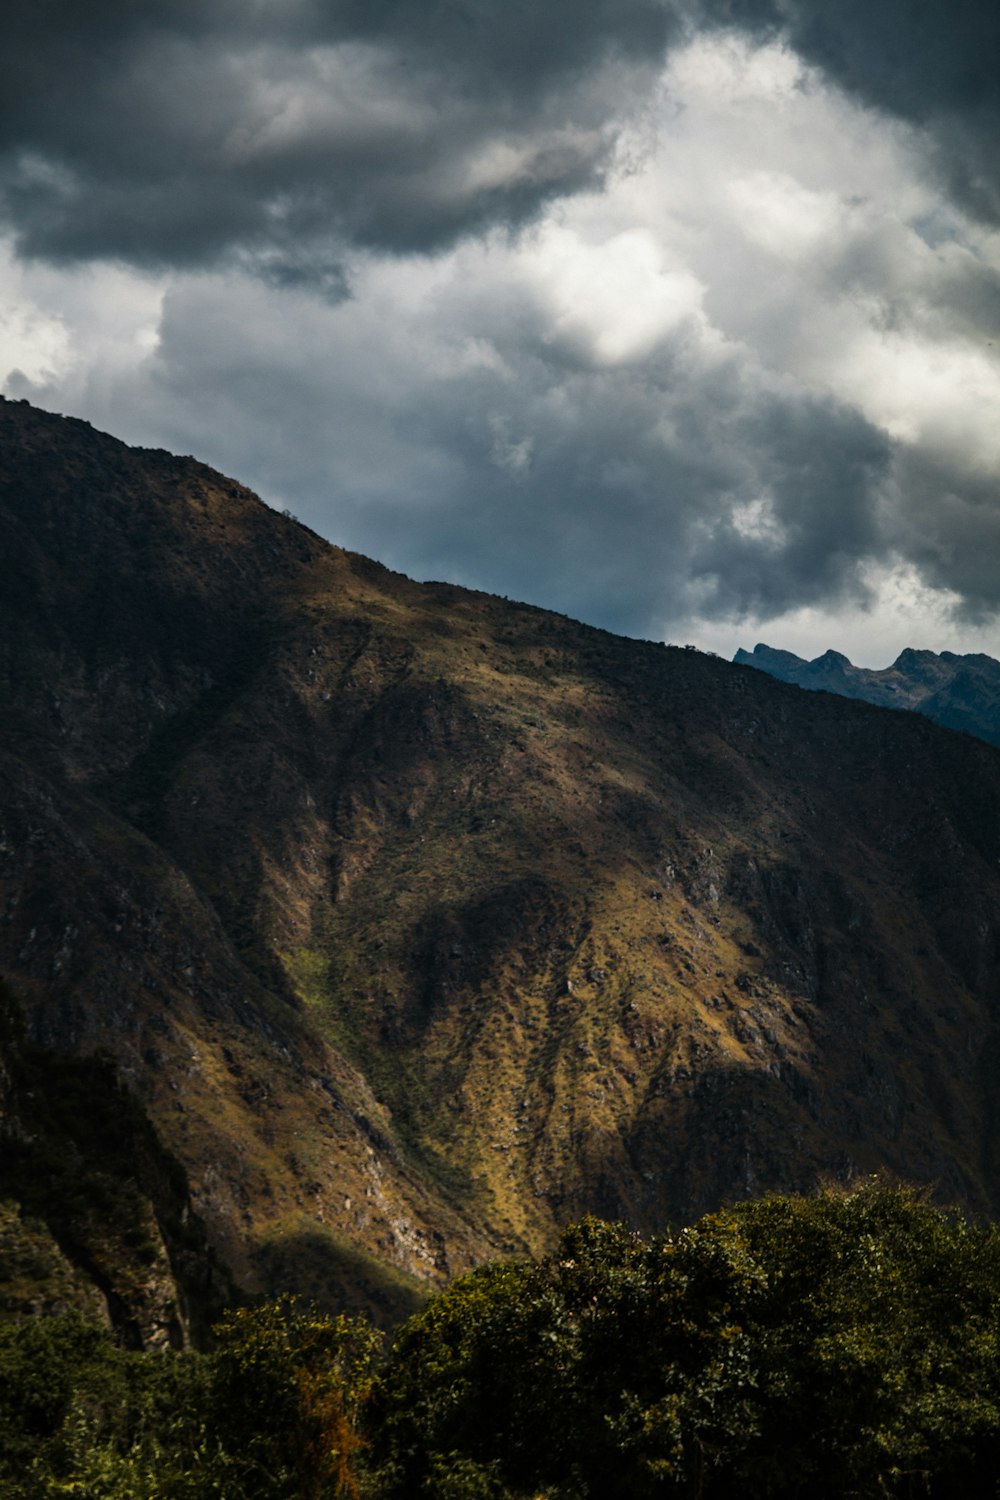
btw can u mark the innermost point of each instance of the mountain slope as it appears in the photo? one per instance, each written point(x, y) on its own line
point(420, 922)
point(95, 1216)
point(961, 692)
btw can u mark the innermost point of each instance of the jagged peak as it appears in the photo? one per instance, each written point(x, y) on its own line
point(912, 656)
point(762, 652)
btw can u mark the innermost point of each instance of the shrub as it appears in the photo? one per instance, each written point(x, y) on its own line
point(834, 1345)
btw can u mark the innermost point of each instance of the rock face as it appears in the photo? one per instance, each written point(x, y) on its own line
point(419, 923)
point(962, 692)
point(94, 1215)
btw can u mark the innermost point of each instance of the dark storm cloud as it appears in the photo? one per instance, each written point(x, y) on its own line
point(924, 61)
point(629, 497)
point(948, 522)
point(765, 504)
point(176, 132)
point(820, 469)
point(169, 133)
point(638, 545)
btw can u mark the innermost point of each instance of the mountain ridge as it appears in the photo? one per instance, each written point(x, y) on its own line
point(962, 692)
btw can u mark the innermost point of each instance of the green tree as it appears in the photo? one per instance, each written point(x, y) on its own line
point(844, 1344)
point(609, 1368)
point(287, 1389)
point(80, 1416)
point(875, 1348)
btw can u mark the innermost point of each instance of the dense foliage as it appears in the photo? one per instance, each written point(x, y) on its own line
point(272, 1413)
point(831, 1346)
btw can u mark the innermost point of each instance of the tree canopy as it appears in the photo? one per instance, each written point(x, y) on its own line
point(844, 1344)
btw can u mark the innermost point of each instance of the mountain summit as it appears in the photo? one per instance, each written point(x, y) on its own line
point(416, 923)
point(961, 692)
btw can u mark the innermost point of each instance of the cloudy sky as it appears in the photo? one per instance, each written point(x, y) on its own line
point(679, 316)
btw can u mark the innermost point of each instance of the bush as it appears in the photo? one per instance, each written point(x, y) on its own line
point(288, 1386)
point(271, 1413)
point(842, 1344)
point(80, 1416)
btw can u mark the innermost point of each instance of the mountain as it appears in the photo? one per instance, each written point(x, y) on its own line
point(415, 923)
point(961, 692)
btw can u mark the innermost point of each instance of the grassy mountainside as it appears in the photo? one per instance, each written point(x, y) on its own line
point(421, 922)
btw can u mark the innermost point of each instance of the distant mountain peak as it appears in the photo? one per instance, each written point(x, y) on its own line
point(910, 655)
point(959, 691)
point(832, 659)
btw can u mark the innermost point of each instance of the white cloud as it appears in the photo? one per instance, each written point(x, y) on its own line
point(609, 301)
point(789, 221)
point(70, 332)
point(33, 342)
point(926, 391)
